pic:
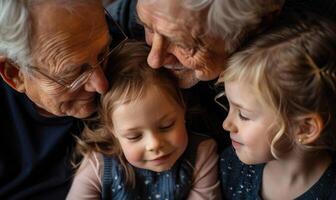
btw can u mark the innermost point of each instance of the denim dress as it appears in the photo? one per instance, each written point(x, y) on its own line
point(172, 184)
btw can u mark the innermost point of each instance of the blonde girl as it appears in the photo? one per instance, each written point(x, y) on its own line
point(281, 91)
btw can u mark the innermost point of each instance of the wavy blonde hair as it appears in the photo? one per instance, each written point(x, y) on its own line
point(292, 69)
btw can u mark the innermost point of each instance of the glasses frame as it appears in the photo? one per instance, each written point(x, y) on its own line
point(85, 76)
point(216, 99)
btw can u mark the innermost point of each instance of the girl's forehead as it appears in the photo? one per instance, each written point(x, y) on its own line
point(242, 94)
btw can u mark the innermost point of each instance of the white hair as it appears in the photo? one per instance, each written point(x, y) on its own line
point(15, 27)
point(232, 20)
point(15, 31)
point(235, 20)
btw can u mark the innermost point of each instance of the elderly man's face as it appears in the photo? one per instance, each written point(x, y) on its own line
point(65, 42)
point(178, 42)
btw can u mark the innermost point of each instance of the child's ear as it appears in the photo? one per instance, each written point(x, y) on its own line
point(11, 75)
point(309, 128)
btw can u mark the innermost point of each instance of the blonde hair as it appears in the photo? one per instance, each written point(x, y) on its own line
point(293, 71)
point(130, 78)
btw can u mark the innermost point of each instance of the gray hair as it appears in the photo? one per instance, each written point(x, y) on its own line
point(15, 27)
point(235, 20)
point(15, 31)
point(231, 20)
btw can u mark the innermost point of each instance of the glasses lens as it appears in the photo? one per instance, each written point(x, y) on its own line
point(81, 80)
point(118, 38)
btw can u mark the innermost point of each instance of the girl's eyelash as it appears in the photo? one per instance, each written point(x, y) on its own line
point(168, 126)
point(134, 138)
point(242, 117)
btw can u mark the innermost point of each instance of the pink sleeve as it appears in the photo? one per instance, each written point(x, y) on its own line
point(87, 184)
point(206, 183)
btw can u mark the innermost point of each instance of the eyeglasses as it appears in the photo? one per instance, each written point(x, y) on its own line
point(119, 38)
point(221, 100)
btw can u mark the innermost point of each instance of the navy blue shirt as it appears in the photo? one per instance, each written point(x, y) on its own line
point(35, 151)
point(241, 181)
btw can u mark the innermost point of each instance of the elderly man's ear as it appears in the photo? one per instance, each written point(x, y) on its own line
point(11, 75)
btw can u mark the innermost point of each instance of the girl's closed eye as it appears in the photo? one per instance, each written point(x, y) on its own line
point(133, 137)
point(242, 116)
point(167, 125)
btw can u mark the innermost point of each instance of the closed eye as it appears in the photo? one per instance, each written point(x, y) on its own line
point(167, 127)
point(133, 138)
point(187, 50)
point(242, 117)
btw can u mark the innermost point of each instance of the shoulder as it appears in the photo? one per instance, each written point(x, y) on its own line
point(206, 161)
point(205, 178)
point(200, 140)
point(207, 147)
point(87, 183)
point(203, 146)
point(206, 152)
point(94, 163)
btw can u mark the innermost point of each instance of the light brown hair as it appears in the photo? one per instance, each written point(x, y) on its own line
point(130, 77)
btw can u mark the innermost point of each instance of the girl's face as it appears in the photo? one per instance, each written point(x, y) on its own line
point(249, 124)
point(151, 130)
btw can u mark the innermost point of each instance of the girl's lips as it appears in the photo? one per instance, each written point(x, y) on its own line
point(161, 159)
point(235, 144)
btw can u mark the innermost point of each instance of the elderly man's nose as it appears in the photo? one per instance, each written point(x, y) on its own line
point(157, 54)
point(97, 82)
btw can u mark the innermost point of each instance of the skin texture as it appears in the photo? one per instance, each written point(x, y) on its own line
point(64, 43)
point(179, 45)
point(249, 124)
point(151, 133)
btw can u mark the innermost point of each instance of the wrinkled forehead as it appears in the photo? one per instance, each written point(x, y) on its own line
point(168, 8)
point(170, 11)
point(74, 21)
point(170, 17)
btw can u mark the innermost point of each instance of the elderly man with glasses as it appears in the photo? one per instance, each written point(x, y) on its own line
point(52, 58)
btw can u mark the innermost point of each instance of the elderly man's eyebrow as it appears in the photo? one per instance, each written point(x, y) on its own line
point(138, 21)
point(170, 38)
